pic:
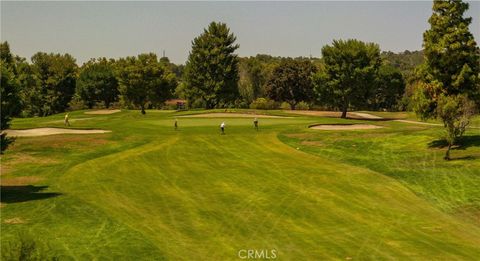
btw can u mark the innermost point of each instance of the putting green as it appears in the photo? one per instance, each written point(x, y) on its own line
point(146, 191)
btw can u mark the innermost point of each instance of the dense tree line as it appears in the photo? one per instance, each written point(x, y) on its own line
point(255, 71)
point(350, 75)
point(9, 89)
point(291, 82)
point(97, 82)
point(405, 61)
point(55, 80)
point(383, 89)
point(213, 77)
point(145, 82)
point(51, 83)
point(441, 81)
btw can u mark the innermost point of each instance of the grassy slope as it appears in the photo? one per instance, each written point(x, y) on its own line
point(475, 122)
point(146, 191)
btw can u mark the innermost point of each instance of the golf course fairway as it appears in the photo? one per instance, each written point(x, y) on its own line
point(146, 191)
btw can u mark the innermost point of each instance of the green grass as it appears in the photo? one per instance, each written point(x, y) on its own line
point(475, 122)
point(146, 191)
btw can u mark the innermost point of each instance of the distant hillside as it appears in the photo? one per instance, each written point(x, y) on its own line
point(405, 61)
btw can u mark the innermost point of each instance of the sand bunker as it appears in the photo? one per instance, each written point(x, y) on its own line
point(103, 112)
point(50, 131)
point(230, 115)
point(366, 115)
point(419, 122)
point(316, 113)
point(15, 220)
point(345, 127)
point(336, 114)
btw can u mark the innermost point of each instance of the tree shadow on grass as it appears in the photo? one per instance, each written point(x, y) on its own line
point(462, 144)
point(15, 194)
point(465, 158)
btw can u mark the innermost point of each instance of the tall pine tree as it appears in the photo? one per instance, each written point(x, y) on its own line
point(211, 72)
point(449, 88)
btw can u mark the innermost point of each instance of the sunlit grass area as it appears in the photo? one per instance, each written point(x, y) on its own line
point(148, 191)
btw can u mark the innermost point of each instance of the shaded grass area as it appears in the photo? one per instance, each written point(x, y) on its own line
point(15, 194)
point(463, 143)
point(146, 191)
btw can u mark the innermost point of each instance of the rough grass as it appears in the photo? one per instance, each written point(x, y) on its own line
point(146, 191)
point(413, 156)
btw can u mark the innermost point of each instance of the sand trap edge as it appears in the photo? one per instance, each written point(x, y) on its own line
point(344, 127)
point(51, 131)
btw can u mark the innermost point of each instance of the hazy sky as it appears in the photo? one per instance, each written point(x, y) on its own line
point(116, 29)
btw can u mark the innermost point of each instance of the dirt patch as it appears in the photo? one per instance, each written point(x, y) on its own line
point(68, 141)
point(50, 131)
point(469, 212)
point(22, 149)
point(17, 159)
point(20, 180)
point(312, 143)
point(230, 115)
point(345, 127)
point(102, 112)
point(4, 169)
point(15, 220)
point(300, 135)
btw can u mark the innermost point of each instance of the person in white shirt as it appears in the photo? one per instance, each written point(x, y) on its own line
point(255, 123)
point(222, 127)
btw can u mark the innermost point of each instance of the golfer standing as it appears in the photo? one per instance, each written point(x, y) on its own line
point(255, 123)
point(176, 124)
point(222, 127)
point(66, 122)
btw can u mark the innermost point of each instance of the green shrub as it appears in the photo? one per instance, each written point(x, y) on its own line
point(285, 106)
point(302, 106)
point(76, 104)
point(25, 248)
point(5, 142)
point(197, 103)
point(242, 104)
point(263, 104)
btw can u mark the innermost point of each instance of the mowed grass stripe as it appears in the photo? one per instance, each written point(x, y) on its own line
point(151, 193)
point(210, 195)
